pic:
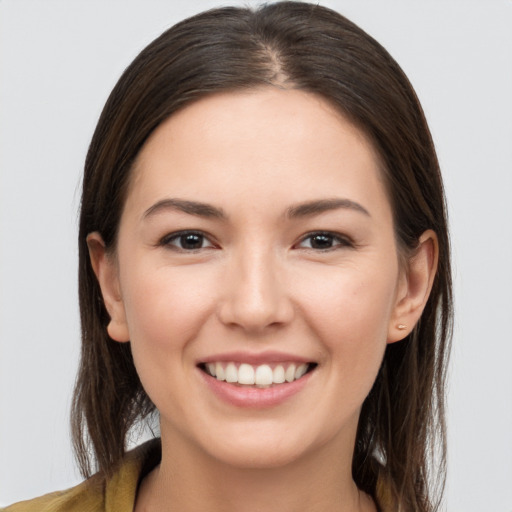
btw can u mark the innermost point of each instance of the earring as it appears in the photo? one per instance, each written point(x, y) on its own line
point(401, 327)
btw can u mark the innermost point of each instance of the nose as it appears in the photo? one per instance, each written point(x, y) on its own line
point(256, 297)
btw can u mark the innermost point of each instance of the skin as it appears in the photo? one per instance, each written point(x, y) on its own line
point(258, 282)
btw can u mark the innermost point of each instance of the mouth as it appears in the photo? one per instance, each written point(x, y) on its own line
point(265, 375)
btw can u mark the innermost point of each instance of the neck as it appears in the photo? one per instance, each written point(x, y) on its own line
point(189, 480)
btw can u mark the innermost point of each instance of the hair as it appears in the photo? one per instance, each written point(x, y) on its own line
point(401, 442)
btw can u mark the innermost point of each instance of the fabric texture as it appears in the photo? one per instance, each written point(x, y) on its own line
point(97, 494)
point(118, 494)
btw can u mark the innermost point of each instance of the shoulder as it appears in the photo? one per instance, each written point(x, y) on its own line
point(117, 494)
point(85, 497)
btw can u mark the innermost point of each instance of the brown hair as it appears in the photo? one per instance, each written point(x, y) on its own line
point(312, 48)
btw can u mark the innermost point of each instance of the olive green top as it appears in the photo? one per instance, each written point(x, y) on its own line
point(118, 493)
point(97, 494)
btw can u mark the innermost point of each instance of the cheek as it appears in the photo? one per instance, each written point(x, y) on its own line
point(165, 308)
point(349, 311)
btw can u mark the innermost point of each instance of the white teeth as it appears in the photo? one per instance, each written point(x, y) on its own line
point(290, 373)
point(278, 374)
point(219, 372)
point(211, 369)
point(245, 374)
point(231, 373)
point(301, 370)
point(262, 375)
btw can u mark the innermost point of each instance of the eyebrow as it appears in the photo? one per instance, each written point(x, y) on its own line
point(206, 210)
point(190, 207)
point(323, 205)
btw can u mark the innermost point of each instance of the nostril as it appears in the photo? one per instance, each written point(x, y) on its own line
point(254, 317)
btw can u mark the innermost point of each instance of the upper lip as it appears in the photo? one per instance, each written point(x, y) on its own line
point(255, 358)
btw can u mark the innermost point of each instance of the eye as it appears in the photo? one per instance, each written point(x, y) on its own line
point(324, 241)
point(187, 241)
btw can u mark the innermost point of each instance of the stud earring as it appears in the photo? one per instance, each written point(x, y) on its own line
point(401, 327)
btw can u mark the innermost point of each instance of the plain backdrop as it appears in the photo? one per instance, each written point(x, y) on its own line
point(58, 62)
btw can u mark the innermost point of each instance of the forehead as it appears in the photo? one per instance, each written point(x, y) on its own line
point(286, 144)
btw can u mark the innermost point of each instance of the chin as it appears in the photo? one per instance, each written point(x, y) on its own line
point(258, 457)
point(266, 447)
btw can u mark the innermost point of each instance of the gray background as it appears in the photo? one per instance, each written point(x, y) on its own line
point(59, 61)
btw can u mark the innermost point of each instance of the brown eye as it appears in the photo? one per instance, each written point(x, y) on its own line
point(187, 241)
point(191, 241)
point(324, 241)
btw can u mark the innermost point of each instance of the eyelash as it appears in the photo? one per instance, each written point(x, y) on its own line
point(168, 239)
point(336, 239)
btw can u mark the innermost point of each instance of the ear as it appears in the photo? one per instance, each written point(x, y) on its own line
point(414, 287)
point(106, 270)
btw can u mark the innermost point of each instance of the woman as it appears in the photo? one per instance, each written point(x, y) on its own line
point(264, 261)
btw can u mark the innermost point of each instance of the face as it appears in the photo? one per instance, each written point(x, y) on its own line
point(256, 276)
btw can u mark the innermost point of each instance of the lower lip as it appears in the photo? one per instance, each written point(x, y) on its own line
point(253, 397)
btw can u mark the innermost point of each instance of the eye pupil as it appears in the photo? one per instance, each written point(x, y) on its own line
point(321, 241)
point(191, 241)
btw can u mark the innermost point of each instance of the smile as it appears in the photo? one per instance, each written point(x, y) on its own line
point(262, 375)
